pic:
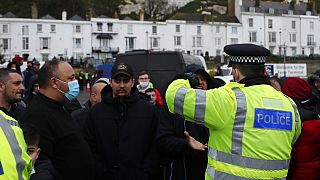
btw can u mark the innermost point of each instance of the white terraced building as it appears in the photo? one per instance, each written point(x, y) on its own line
point(272, 25)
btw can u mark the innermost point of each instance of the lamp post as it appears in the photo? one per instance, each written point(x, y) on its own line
point(147, 39)
point(284, 59)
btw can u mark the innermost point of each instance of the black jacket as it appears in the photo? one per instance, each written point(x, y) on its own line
point(121, 134)
point(80, 115)
point(44, 171)
point(60, 138)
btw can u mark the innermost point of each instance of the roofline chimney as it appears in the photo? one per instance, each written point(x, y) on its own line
point(34, 11)
point(64, 15)
point(141, 15)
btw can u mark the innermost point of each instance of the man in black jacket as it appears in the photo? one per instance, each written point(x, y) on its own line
point(121, 130)
point(60, 137)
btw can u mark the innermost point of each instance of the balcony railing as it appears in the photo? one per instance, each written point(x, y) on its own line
point(106, 49)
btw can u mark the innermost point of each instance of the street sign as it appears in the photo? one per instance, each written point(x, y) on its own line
point(292, 69)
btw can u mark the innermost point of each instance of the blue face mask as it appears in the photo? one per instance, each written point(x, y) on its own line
point(73, 90)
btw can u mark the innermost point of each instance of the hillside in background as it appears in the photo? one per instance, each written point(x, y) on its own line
point(154, 9)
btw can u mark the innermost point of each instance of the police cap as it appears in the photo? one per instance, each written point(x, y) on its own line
point(246, 54)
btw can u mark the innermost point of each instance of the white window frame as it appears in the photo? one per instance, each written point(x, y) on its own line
point(250, 22)
point(178, 30)
point(25, 43)
point(197, 41)
point(5, 28)
point(99, 26)
point(154, 30)
point(44, 43)
point(77, 29)
point(52, 28)
point(110, 27)
point(39, 28)
point(155, 42)
point(253, 36)
point(25, 30)
point(6, 43)
point(272, 37)
point(177, 40)
point(234, 30)
point(293, 37)
point(310, 39)
point(311, 25)
point(77, 43)
point(270, 23)
point(234, 40)
point(129, 29)
point(218, 29)
point(198, 29)
point(130, 43)
point(293, 24)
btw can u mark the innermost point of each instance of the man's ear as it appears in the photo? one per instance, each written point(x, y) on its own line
point(53, 83)
point(133, 82)
point(2, 87)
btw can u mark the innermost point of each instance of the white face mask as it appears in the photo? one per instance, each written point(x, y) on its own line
point(144, 84)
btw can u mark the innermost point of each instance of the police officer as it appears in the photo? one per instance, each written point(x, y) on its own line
point(15, 163)
point(252, 126)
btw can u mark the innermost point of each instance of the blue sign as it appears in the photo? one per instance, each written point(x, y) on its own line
point(1, 169)
point(269, 69)
point(272, 119)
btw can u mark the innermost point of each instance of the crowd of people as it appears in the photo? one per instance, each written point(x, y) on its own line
point(257, 127)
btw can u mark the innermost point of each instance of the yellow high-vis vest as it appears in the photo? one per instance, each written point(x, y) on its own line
point(252, 129)
point(15, 163)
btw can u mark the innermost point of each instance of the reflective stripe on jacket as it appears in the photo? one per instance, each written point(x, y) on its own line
point(15, 162)
point(252, 129)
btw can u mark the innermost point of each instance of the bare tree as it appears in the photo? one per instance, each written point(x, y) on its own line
point(156, 9)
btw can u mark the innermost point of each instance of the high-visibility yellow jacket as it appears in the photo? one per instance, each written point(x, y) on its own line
point(252, 129)
point(15, 163)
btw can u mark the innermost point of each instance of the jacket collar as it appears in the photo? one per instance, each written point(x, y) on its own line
point(255, 80)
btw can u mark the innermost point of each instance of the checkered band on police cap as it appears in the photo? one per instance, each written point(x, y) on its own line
point(246, 54)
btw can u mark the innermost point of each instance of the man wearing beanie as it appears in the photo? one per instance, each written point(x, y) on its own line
point(252, 126)
point(305, 154)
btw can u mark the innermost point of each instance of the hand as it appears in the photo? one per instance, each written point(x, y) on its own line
point(194, 144)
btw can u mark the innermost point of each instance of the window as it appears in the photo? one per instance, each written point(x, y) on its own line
point(302, 51)
point(311, 25)
point(311, 50)
point(39, 27)
point(53, 28)
point(218, 29)
point(293, 37)
point(78, 29)
point(77, 43)
point(269, 23)
point(130, 29)
point(177, 28)
point(198, 29)
point(177, 40)
point(155, 44)
point(25, 30)
point(293, 24)
point(197, 41)
point(310, 40)
point(105, 42)
point(250, 22)
point(5, 28)
point(218, 42)
point(271, 11)
point(290, 12)
point(271, 49)
point(44, 43)
point(252, 9)
point(6, 44)
point(294, 51)
point(45, 57)
point(154, 29)
point(234, 40)
point(234, 30)
point(218, 52)
point(130, 43)
point(272, 37)
point(110, 25)
point(252, 36)
point(99, 26)
point(25, 43)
